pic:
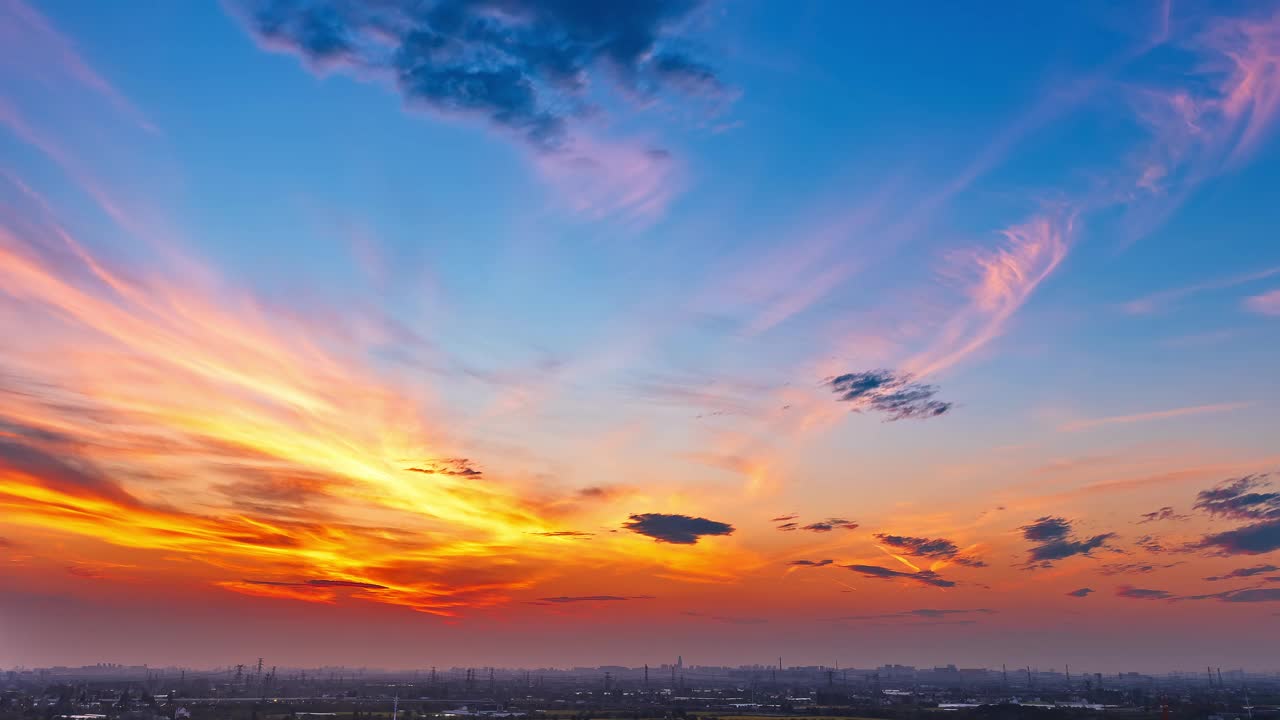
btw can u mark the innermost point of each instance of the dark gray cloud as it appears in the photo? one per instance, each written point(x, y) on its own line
point(1164, 513)
point(565, 599)
point(65, 473)
point(1244, 595)
point(1241, 499)
point(1255, 539)
point(564, 533)
point(934, 548)
point(1082, 592)
point(896, 396)
point(1136, 568)
point(1055, 540)
point(346, 583)
point(927, 613)
point(525, 66)
point(1046, 528)
point(830, 524)
point(1244, 572)
point(787, 523)
point(457, 467)
point(810, 563)
point(676, 529)
point(318, 583)
point(924, 577)
point(601, 492)
point(1136, 593)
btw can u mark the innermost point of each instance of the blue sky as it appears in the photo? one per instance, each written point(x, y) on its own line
point(631, 288)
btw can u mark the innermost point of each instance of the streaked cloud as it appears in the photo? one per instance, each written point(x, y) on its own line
point(1165, 513)
point(1267, 303)
point(1078, 425)
point(1082, 592)
point(931, 548)
point(1136, 593)
point(923, 577)
point(1244, 572)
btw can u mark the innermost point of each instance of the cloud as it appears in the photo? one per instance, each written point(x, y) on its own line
point(998, 282)
point(1267, 303)
point(1132, 568)
point(1255, 539)
point(924, 577)
point(1155, 301)
point(564, 533)
point(1244, 572)
point(346, 584)
point(1082, 592)
point(1135, 593)
point(1157, 415)
point(934, 548)
point(600, 492)
point(821, 526)
point(810, 563)
point(783, 518)
point(564, 599)
point(1235, 498)
point(457, 467)
point(1164, 513)
point(1054, 539)
point(927, 613)
point(896, 396)
point(523, 66)
point(830, 524)
point(676, 529)
point(1243, 595)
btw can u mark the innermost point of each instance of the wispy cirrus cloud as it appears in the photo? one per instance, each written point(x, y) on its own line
point(1078, 425)
point(996, 282)
point(1156, 301)
point(31, 41)
point(1267, 303)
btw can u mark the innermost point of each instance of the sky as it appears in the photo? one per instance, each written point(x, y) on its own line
point(529, 333)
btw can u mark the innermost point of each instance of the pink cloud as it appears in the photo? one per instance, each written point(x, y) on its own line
point(1267, 303)
point(999, 282)
point(599, 178)
point(32, 42)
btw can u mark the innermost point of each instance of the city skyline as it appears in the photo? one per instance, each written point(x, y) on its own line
point(538, 333)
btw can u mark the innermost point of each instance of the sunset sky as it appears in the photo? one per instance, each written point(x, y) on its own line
point(566, 332)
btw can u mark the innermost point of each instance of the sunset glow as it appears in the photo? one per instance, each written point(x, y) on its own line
point(726, 326)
